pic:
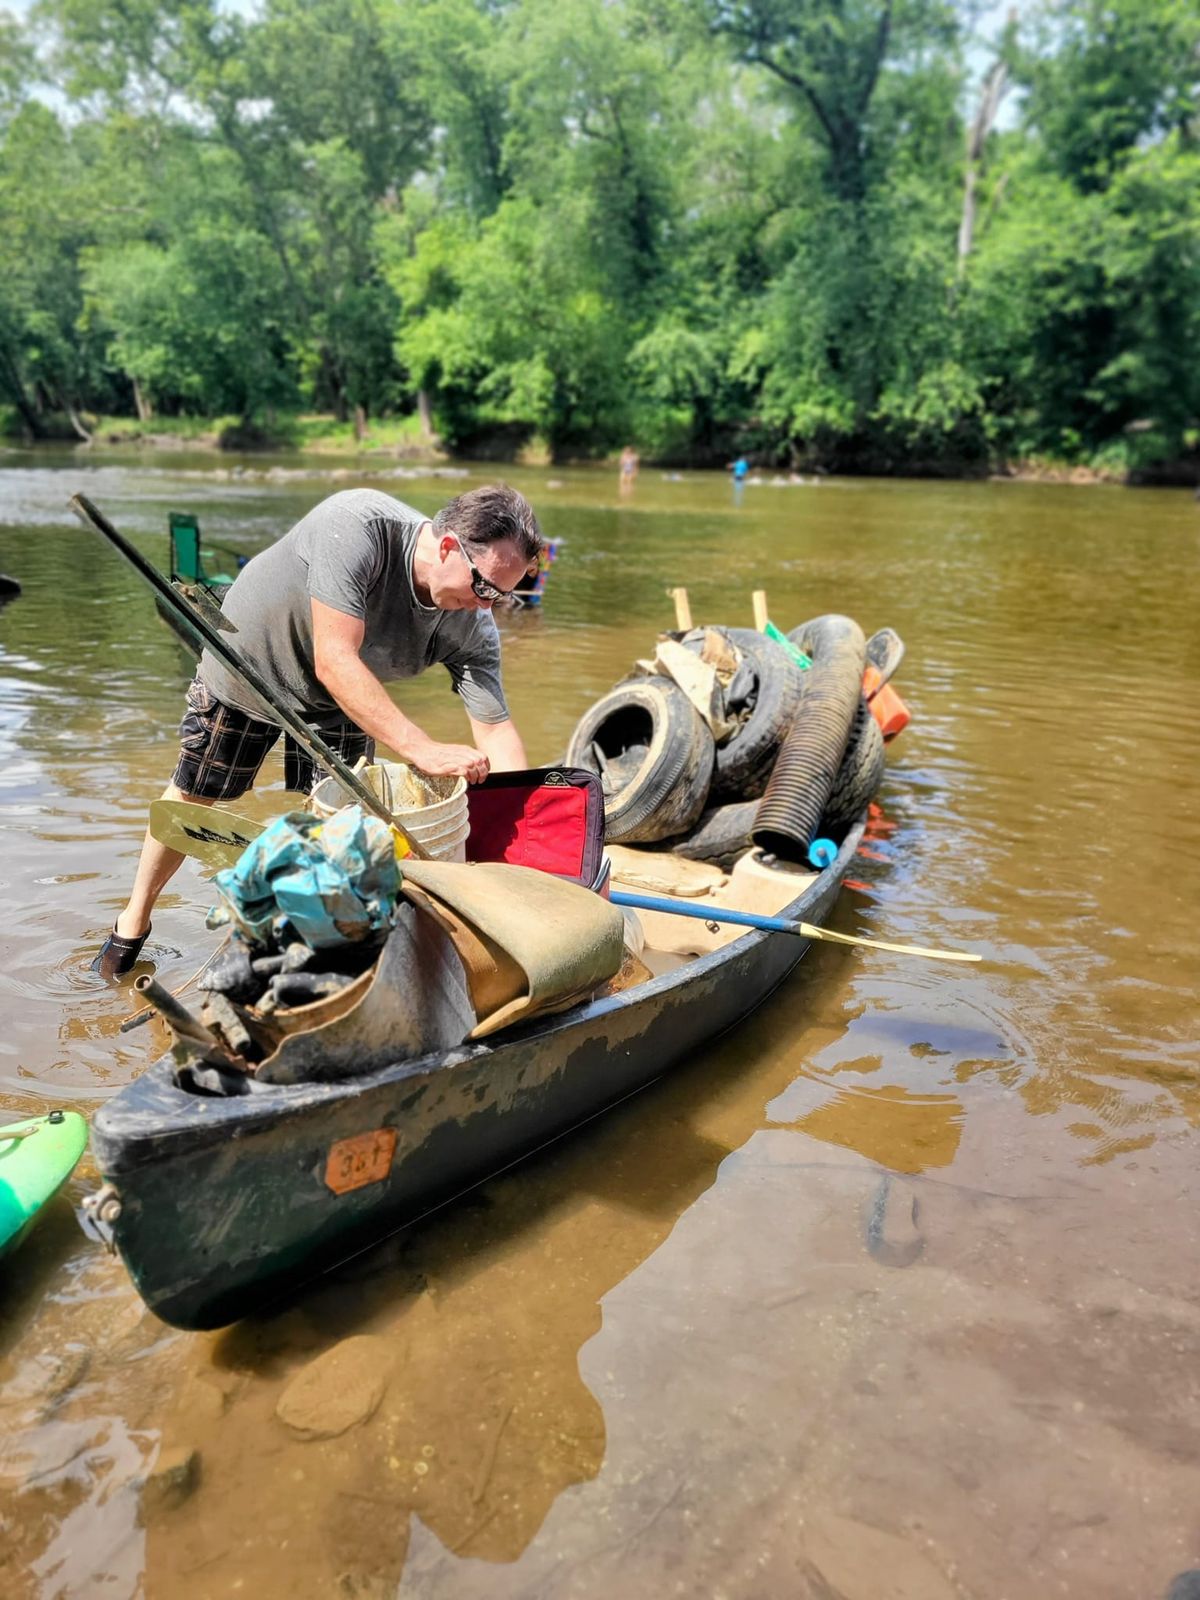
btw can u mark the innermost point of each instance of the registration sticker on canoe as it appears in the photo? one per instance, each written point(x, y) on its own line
point(366, 1158)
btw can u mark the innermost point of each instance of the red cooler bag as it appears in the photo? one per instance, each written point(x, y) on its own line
point(551, 818)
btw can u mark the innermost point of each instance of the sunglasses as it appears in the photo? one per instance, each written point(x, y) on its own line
point(480, 586)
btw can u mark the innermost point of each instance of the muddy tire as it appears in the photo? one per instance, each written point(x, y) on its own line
point(885, 652)
point(654, 754)
point(721, 835)
point(745, 760)
point(860, 773)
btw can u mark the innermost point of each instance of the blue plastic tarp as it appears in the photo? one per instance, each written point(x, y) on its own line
point(326, 881)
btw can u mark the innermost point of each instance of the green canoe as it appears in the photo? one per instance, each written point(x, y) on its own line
point(36, 1159)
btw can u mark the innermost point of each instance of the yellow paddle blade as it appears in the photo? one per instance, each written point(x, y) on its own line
point(213, 835)
point(810, 932)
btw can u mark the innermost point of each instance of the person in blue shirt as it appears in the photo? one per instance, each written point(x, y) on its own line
point(739, 468)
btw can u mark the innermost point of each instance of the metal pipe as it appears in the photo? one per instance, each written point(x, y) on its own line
point(177, 1014)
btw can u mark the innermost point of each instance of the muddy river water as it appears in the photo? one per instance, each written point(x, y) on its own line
point(677, 1355)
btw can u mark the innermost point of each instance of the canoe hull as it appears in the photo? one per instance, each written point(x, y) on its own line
point(226, 1205)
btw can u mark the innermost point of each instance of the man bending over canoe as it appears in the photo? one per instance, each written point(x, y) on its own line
point(363, 590)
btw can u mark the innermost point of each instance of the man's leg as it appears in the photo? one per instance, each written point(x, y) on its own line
point(156, 867)
point(220, 752)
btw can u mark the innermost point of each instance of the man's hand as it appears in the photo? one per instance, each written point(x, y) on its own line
point(450, 761)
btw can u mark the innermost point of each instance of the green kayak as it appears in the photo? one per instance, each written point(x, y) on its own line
point(36, 1159)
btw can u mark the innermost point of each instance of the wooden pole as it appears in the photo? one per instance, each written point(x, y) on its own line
point(759, 599)
point(683, 611)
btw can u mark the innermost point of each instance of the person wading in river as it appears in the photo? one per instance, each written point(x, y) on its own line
point(363, 590)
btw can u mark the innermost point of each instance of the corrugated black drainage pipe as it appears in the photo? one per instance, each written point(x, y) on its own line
point(790, 812)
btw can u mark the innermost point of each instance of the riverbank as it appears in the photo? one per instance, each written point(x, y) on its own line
point(405, 439)
point(314, 434)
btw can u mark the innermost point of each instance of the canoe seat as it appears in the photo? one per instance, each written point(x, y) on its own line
point(749, 886)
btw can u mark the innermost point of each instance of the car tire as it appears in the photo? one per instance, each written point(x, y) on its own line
point(720, 836)
point(745, 759)
point(654, 754)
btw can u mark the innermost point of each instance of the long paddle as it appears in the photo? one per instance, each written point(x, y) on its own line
point(805, 930)
point(217, 838)
point(212, 638)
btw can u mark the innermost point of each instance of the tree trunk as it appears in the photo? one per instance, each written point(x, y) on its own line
point(425, 412)
point(76, 422)
point(990, 97)
point(145, 411)
point(10, 377)
point(966, 228)
point(360, 424)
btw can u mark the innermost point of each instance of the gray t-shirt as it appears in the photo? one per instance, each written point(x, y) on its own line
point(354, 551)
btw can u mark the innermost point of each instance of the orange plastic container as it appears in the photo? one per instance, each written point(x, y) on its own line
point(887, 708)
point(889, 711)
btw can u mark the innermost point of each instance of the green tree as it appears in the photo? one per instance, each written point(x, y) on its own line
point(44, 365)
point(1106, 77)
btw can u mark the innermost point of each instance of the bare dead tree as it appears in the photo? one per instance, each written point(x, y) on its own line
point(991, 94)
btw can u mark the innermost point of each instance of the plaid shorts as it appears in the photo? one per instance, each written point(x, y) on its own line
point(221, 749)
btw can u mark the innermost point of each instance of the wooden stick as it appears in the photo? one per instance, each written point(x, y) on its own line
point(683, 611)
point(759, 601)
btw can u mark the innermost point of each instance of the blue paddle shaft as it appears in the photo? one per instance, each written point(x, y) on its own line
point(680, 908)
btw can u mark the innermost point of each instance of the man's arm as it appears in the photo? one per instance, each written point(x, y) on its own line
point(337, 639)
point(500, 743)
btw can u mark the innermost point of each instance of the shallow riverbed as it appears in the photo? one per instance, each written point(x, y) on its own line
point(680, 1354)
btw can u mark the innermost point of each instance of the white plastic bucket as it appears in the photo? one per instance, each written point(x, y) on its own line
point(432, 810)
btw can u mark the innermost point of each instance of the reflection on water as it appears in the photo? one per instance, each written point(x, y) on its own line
point(895, 1286)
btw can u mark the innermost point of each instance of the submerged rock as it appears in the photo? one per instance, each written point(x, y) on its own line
point(857, 1561)
point(175, 1475)
point(69, 1369)
point(894, 1236)
point(339, 1389)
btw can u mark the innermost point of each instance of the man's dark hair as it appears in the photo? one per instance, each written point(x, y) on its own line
point(487, 515)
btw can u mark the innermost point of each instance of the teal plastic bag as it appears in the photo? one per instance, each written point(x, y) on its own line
point(326, 881)
point(794, 650)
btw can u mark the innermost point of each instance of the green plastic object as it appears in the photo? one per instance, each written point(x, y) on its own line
point(187, 562)
point(36, 1159)
point(797, 655)
point(185, 547)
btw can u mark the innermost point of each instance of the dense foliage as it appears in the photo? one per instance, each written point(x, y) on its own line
point(857, 232)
